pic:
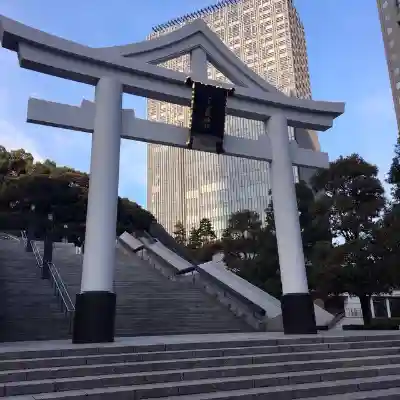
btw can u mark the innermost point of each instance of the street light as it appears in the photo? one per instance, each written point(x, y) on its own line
point(65, 239)
point(31, 229)
point(48, 247)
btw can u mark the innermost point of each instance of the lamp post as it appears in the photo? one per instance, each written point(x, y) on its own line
point(65, 235)
point(31, 229)
point(48, 247)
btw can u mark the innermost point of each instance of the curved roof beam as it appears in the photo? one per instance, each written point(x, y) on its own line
point(52, 55)
point(168, 44)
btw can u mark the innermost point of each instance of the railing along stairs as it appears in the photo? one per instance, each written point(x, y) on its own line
point(8, 236)
point(60, 290)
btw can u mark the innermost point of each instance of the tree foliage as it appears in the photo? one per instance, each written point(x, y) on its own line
point(393, 177)
point(352, 198)
point(61, 191)
point(241, 240)
point(206, 232)
point(180, 233)
point(251, 249)
point(194, 242)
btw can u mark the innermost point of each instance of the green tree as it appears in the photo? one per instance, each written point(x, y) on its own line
point(393, 177)
point(20, 162)
point(132, 217)
point(206, 232)
point(60, 190)
point(241, 244)
point(387, 235)
point(4, 162)
point(268, 272)
point(180, 233)
point(194, 242)
point(352, 198)
point(312, 232)
point(251, 250)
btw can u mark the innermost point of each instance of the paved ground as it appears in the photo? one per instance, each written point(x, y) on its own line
point(172, 339)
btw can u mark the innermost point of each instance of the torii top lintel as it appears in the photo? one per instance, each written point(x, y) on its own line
point(135, 66)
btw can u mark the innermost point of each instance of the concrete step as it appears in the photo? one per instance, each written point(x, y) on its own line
point(29, 309)
point(166, 375)
point(212, 367)
point(147, 302)
point(278, 386)
point(388, 394)
point(195, 345)
point(207, 358)
point(150, 304)
point(382, 394)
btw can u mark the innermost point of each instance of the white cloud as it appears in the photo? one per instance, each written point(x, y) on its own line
point(10, 136)
point(13, 139)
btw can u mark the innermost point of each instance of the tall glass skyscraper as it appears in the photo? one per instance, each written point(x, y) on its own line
point(186, 185)
point(389, 15)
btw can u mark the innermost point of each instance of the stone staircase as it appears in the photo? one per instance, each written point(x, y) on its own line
point(148, 303)
point(28, 308)
point(230, 366)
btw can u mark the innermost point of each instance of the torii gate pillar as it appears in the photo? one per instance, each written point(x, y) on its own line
point(95, 304)
point(297, 304)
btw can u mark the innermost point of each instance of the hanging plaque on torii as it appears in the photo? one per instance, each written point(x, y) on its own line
point(207, 118)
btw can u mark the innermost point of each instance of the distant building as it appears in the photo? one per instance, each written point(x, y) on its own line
point(389, 15)
point(384, 306)
point(186, 185)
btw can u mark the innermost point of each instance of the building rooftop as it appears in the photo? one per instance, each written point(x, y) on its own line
point(196, 14)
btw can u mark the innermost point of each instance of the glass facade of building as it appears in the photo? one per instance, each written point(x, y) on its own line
point(389, 15)
point(186, 185)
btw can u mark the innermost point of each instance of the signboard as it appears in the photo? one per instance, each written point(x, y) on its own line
point(208, 110)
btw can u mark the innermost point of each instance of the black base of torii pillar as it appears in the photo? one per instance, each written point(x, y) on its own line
point(94, 317)
point(298, 315)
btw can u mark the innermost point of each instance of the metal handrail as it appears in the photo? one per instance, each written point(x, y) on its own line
point(62, 292)
point(69, 305)
point(9, 236)
point(24, 237)
point(36, 253)
point(186, 270)
point(59, 287)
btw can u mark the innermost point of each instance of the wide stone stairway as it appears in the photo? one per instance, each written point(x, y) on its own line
point(29, 309)
point(237, 364)
point(148, 303)
point(209, 367)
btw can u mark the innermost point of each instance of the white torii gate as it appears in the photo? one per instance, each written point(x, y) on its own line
point(133, 69)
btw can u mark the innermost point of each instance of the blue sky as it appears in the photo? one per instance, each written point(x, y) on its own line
point(346, 58)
